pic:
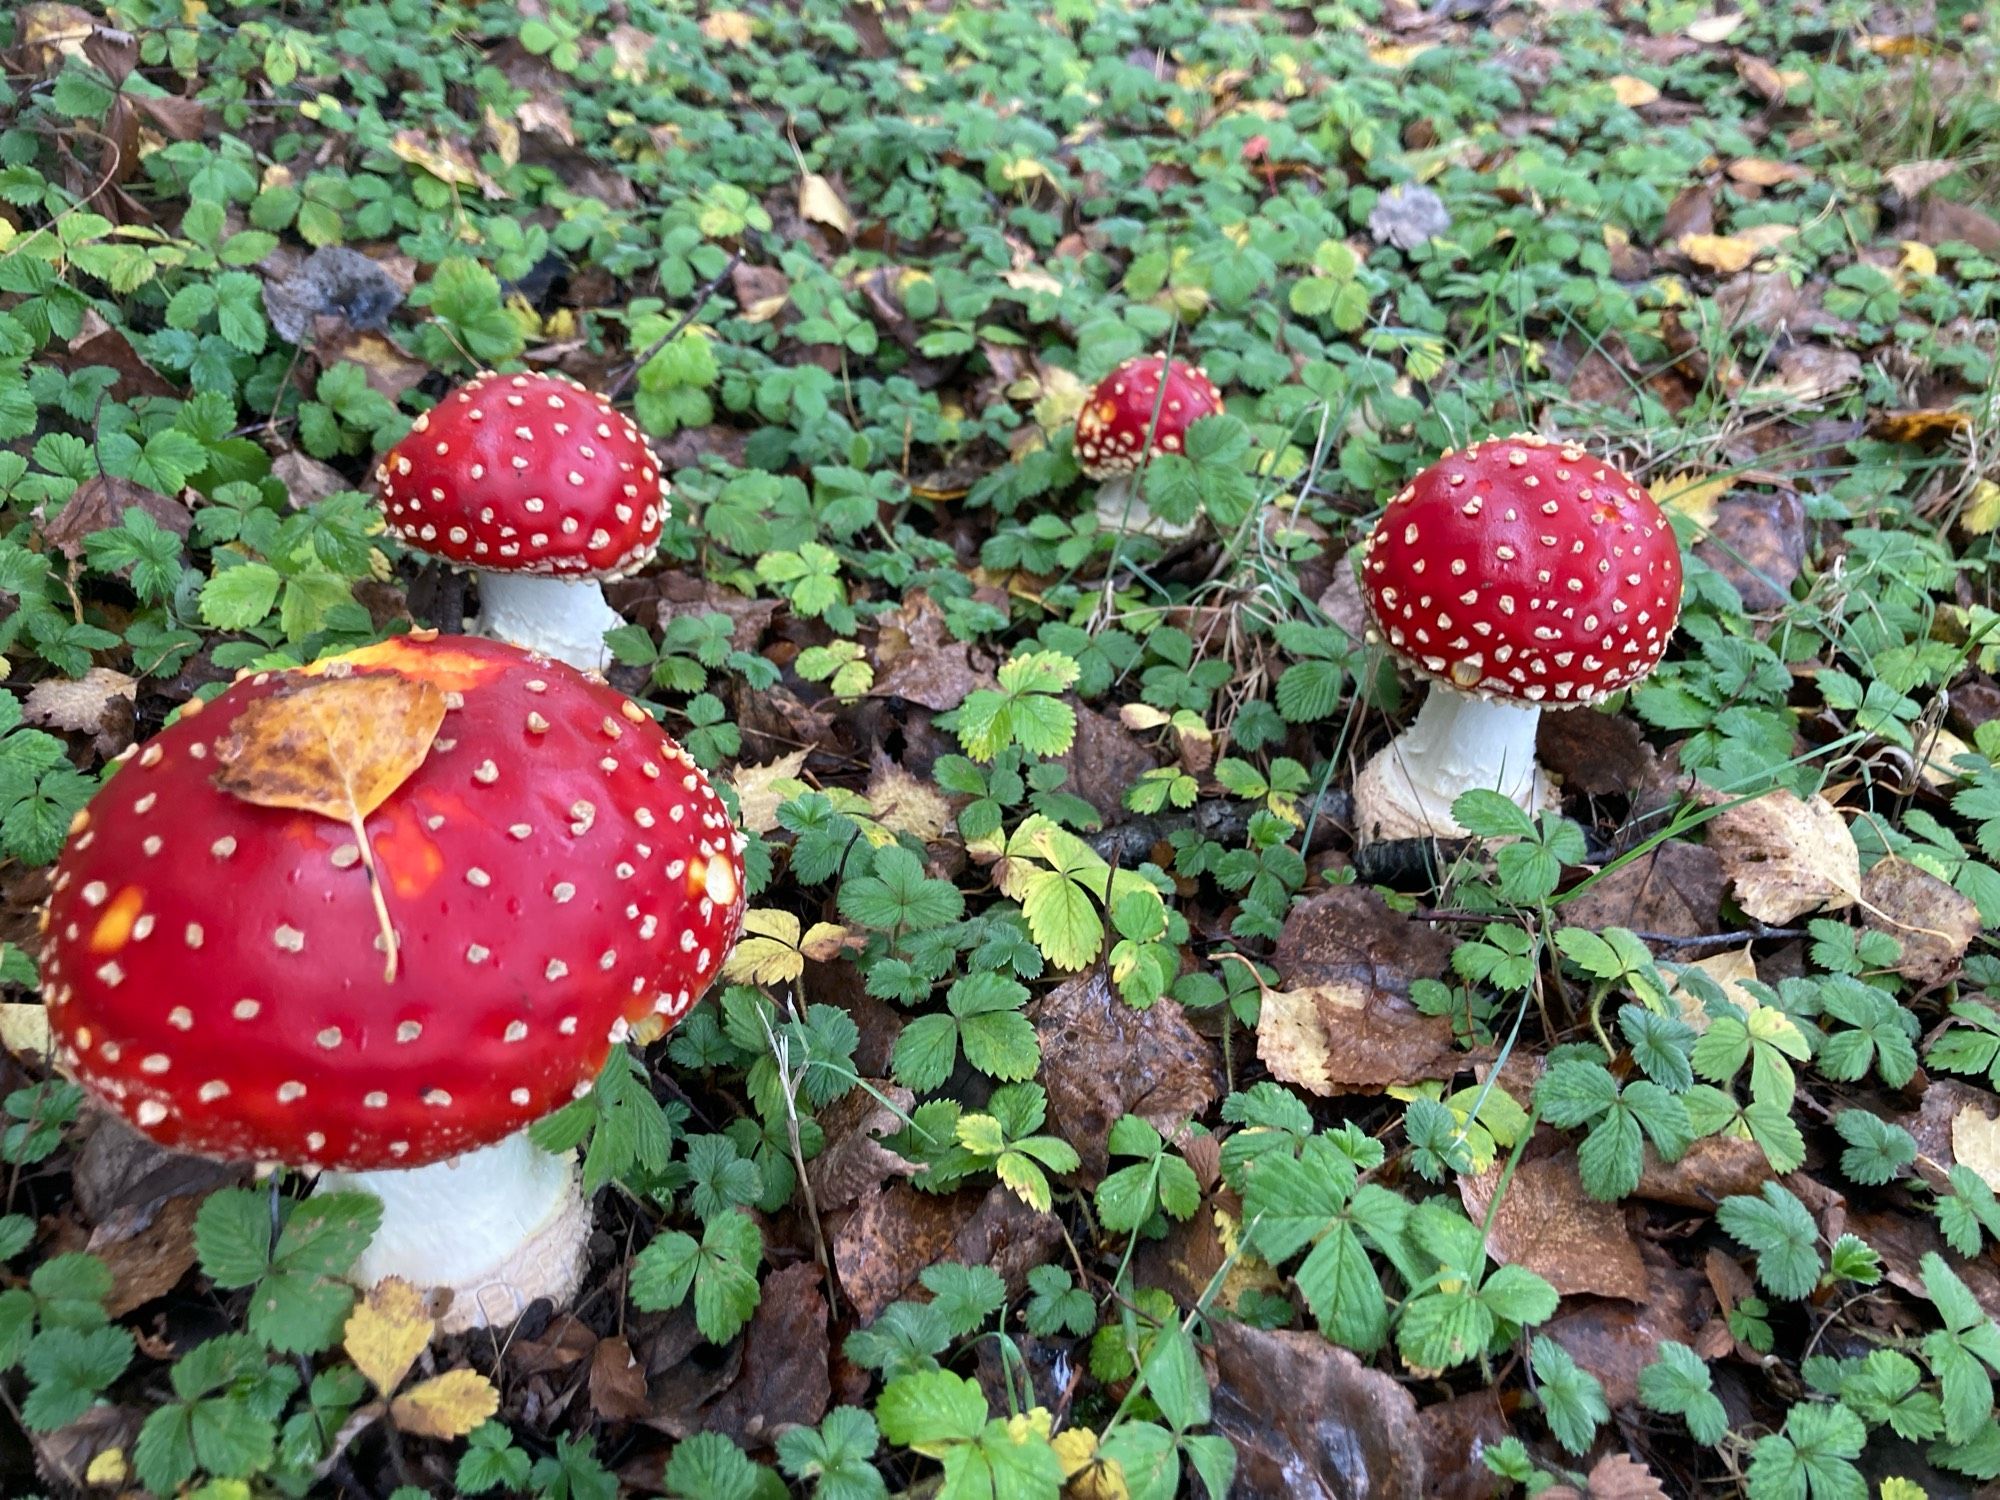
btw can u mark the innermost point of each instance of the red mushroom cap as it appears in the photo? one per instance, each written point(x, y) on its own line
point(526, 474)
point(557, 869)
point(1111, 429)
point(1523, 568)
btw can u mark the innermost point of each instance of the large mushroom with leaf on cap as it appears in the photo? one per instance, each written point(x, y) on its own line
point(1518, 575)
point(1141, 410)
point(543, 490)
point(374, 918)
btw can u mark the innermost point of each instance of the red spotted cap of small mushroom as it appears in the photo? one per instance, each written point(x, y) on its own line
point(1525, 569)
point(526, 473)
point(1111, 429)
point(557, 870)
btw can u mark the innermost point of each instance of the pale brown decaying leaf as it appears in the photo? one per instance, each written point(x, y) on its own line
point(1616, 1476)
point(1911, 178)
point(446, 1406)
point(386, 1332)
point(757, 794)
point(1728, 969)
point(1934, 922)
point(1787, 856)
point(77, 705)
point(24, 1030)
point(339, 747)
point(905, 804)
point(821, 202)
point(1975, 1143)
point(1712, 29)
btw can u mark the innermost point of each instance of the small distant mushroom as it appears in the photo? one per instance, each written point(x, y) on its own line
point(558, 871)
point(1518, 575)
point(1150, 396)
point(544, 490)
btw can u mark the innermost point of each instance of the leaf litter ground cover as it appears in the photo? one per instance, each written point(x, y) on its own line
point(1083, 1110)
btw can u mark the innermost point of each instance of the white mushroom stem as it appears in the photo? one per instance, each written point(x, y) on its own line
point(1121, 506)
point(560, 617)
point(499, 1227)
point(1459, 743)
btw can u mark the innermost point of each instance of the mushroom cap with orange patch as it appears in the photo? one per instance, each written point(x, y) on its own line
point(557, 869)
point(1523, 569)
point(1112, 427)
point(526, 474)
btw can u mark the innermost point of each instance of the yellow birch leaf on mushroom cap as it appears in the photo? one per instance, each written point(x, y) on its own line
point(447, 1406)
point(386, 1332)
point(339, 746)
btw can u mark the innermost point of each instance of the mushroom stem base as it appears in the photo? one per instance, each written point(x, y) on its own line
point(560, 617)
point(499, 1227)
point(1458, 744)
point(1121, 506)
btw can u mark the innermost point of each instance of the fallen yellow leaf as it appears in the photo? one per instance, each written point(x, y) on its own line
point(1632, 92)
point(24, 1030)
point(386, 1332)
point(1918, 259)
point(443, 159)
point(768, 952)
point(1982, 511)
point(820, 202)
point(1693, 496)
point(730, 27)
point(1730, 253)
point(447, 1406)
point(1761, 171)
point(1399, 54)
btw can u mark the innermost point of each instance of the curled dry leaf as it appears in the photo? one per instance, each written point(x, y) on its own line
point(1787, 856)
point(339, 747)
point(386, 1332)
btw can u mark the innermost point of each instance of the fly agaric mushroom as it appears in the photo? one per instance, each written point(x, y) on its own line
point(1142, 408)
point(1518, 575)
point(557, 870)
point(544, 490)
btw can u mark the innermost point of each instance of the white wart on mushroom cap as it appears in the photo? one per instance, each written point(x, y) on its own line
point(557, 869)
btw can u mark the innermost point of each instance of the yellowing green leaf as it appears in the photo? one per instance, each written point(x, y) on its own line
point(769, 950)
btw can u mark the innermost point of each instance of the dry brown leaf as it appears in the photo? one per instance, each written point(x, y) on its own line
point(1633, 92)
point(821, 202)
point(1761, 171)
point(1616, 1476)
point(757, 793)
point(447, 1406)
point(336, 746)
point(1975, 1143)
point(1549, 1225)
point(1933, 921)
point(1772, 83)
point(617, 1382)
point(386, 1332)
point(1787, 857)
point(1344, 1038)
point(1730, 253)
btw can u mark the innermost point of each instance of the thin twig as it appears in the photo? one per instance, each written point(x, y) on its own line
point(624, 377)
